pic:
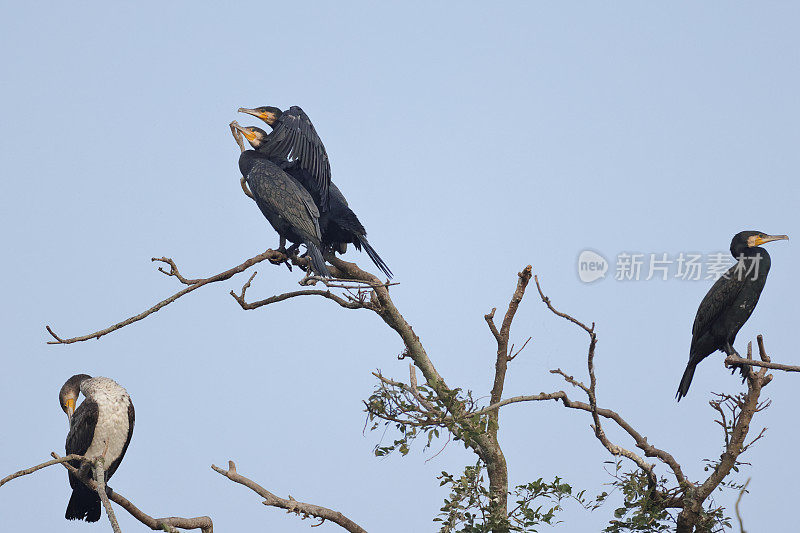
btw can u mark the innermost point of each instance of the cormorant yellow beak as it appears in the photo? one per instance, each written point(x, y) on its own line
point(249, 135)
point(759, 240)
point(70, 408)
point(267, 117)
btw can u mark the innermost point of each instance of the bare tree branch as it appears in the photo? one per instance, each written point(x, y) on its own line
point(169, 524)
point(301, 509)
point(352, 303)
point(749, 406)
point(31, 470)
point(273, 256)
point(641, 441)
point(98, 466)
point(439, 405)
point(560, 395)
point(733, 360)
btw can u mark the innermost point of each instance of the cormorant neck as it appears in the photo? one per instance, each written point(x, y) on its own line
point(748, 251)
point(755, 262)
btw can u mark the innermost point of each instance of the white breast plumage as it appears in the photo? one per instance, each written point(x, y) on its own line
point(111, 431)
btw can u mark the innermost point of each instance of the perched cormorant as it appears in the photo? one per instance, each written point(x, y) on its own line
point(339, 224)
point(287, 206)
point(729, 303)
point(102, 423)
point(294, 138)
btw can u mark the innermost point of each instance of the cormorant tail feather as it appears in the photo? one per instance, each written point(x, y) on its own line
point(84, 504)
point(362, 241)
point(686, 380)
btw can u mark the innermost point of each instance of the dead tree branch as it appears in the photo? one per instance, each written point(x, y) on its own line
point(691, 496)
point(304, 510)
point(749, 405)
point(99, 469)
point(764, 363)
point(31, 470)
point(203, 523)
point(348, 303)
point(273, 256)
point(590, 390)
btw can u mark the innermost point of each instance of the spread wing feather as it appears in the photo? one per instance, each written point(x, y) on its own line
point(294, 138)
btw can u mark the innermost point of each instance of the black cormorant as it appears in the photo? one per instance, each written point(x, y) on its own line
point(287, 206)
point(729, 303)
point(102, 424)
point(339, 224)
point(294, 138)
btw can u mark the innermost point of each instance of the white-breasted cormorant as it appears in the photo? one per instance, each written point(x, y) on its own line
point(294, 138)
point(729, 303)
point(339, 224)
point(101, 424)
point(287, 206)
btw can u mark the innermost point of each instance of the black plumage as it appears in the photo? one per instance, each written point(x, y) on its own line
point(294, 138)
point(287, 206)
point(338, 223)
point(729, 303)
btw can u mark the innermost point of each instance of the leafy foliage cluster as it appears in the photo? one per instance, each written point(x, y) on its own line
point(465, 510)
point(422, 413)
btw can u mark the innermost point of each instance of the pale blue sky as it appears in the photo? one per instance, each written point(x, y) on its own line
point(471, 140)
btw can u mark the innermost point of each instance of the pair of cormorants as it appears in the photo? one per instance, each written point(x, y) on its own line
point(729, 303)
point(289, 176)
point(102, 425)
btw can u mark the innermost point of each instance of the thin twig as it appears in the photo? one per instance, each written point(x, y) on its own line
point(738, 501)
point(515, 354)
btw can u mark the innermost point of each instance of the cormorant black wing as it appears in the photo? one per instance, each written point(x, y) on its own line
point(277, 192)
point(720, 297)
point(82, 503)
point(293, 137)
point(81, 428)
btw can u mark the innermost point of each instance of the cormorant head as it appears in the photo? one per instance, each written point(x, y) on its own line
point(268, 114)
point(255, 136)
point(750, 239)
point(69, 393)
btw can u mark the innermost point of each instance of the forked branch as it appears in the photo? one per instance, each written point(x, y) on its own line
point(690, 497)
point(765, 361)
point(273, 256)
